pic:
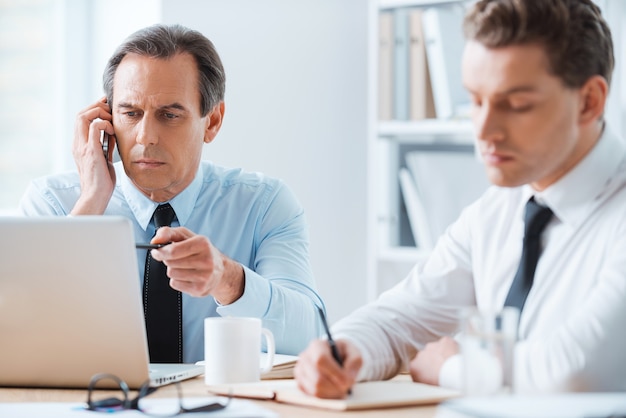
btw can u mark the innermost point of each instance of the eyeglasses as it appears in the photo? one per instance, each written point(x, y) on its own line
point(142, 402)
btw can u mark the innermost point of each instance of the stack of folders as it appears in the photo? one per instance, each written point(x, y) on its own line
point(419, 65)
point(436, 186)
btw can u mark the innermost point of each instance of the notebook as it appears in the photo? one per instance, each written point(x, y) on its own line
point(398, 392)
point(70, 304)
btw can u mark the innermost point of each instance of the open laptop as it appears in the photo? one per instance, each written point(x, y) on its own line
point(70, 304)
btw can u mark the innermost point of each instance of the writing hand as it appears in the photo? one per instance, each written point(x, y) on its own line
point(319, 374)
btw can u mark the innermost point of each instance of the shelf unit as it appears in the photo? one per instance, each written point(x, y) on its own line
point(391, 252)
point(388, 262)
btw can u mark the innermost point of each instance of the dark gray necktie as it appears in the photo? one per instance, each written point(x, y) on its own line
point(163, 306)
point(536, 218)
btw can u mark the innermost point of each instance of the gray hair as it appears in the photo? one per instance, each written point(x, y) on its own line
point(165, 41)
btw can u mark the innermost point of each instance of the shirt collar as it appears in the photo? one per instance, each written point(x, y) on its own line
point(143, 208)
point(579, 191)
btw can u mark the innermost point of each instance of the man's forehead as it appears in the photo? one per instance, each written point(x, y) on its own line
point(157, 74)
point(515, 68)
point(139, 99)
point(144, 82)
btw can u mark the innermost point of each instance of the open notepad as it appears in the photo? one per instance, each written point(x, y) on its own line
point(366, 395)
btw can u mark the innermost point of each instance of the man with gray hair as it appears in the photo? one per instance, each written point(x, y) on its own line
point(237, 241)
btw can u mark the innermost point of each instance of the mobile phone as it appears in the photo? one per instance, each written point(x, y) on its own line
point(105, 140)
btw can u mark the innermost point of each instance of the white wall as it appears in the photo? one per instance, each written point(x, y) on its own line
point(112, 21)
point(296, 108)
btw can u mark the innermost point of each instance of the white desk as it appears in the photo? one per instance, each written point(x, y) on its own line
point(195, 388)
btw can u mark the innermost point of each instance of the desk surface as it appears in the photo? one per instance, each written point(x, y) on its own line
point(195, 387)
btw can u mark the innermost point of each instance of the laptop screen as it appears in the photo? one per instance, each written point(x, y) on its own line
point(70, 302)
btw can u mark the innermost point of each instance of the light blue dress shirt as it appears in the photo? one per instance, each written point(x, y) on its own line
point(253, 219)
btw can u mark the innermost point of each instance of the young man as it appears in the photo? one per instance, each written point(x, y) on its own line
point(538, 72)
point(239, 241)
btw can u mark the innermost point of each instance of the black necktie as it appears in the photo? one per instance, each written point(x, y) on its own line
point(536, 218)
point(163, 306)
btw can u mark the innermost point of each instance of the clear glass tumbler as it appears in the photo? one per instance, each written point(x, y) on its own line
point(487, 349)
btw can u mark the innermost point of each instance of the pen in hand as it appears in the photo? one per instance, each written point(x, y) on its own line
point(331, 342)
point(140, 246)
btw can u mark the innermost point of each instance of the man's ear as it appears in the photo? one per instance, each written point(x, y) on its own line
point(593, 99)
point(213, 122)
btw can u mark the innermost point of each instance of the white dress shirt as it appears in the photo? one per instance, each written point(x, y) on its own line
point(572, 332)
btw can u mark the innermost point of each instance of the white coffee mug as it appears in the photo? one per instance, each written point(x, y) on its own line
point(232, 350)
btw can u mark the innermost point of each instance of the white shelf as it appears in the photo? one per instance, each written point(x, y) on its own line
point(389, 4)
point(428, 131)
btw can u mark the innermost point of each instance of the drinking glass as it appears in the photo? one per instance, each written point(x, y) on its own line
point(487, 348)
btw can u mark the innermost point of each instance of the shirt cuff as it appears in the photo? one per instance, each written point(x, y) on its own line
point(255, 300)
point(451, 373)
